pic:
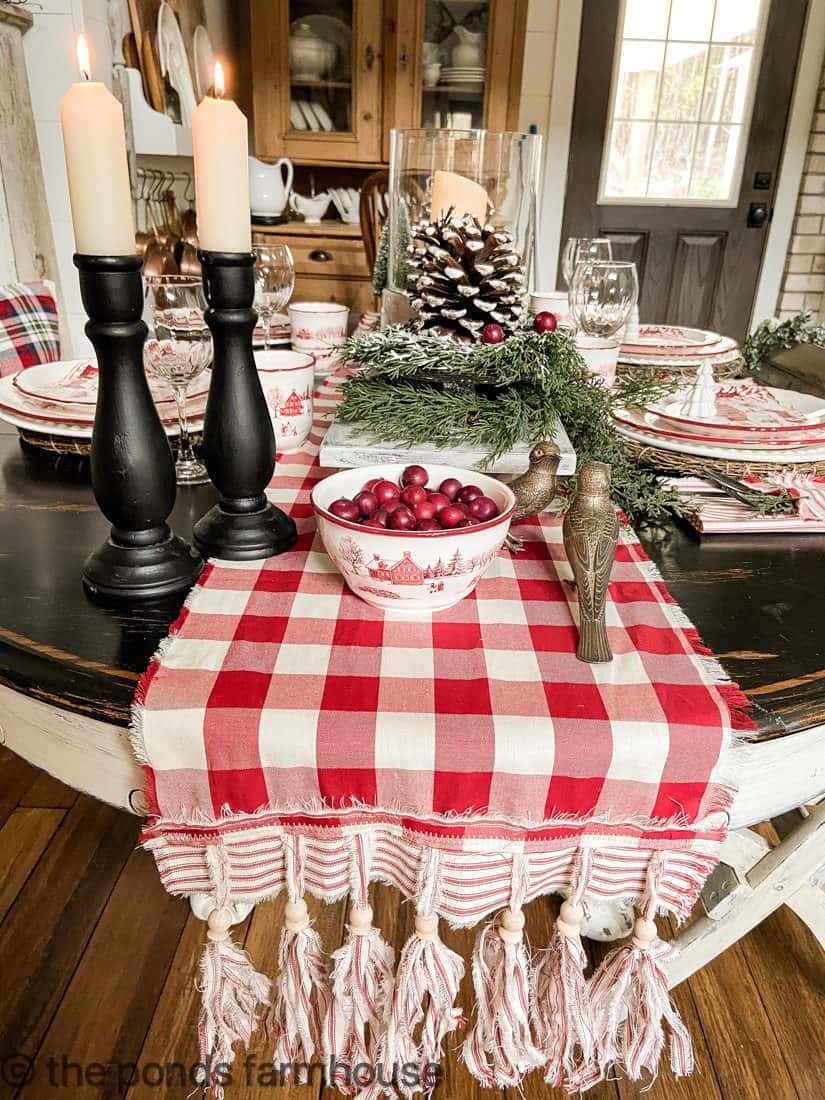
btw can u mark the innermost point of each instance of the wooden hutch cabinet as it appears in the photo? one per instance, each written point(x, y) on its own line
point(331, 78)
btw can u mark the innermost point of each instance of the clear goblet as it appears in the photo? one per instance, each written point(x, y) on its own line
point(177, 350)
point(602, 296)
point(274, 282)
point(579, 249)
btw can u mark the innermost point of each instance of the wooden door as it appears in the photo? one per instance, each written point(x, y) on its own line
point(325, 111)
point(697, 164)
point(420, 95)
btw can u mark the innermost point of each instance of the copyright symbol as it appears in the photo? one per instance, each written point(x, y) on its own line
point(16, 1070)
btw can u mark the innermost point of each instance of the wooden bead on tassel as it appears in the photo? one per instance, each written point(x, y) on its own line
point(570, 919)
point(296, 915)
point(426, 926)
point(218, 924)
point(644, 932)
point(511, 926)
point(360, 920)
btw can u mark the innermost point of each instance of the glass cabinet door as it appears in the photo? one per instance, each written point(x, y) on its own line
point(320, 66)
point(454, 64)
point(317, 79)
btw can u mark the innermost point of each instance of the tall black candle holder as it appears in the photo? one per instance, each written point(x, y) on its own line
point(238, 438)
point(133, 472)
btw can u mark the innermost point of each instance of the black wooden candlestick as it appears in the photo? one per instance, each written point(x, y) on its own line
point(238, 438)
point(133, 473)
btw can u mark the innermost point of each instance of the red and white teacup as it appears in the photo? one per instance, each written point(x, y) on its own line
point(319, 328)
point(287, 379)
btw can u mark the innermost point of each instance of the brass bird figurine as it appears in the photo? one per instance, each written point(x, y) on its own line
point(591, 532)
point(535, 489)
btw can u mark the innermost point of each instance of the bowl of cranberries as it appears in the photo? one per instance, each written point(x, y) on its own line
point(412, 539)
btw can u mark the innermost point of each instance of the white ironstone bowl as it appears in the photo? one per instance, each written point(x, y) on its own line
point(411, 573)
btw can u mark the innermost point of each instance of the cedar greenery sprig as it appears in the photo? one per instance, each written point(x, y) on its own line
point(415, 388)
point(773, 335)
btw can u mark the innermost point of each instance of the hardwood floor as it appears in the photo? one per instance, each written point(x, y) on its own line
point(98, 967)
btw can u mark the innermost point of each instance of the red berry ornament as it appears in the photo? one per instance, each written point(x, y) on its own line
point(386, 491)
point(414, 475)
point(450, 487)
point(366, 502)
point(414, 494)
point(492, 333)
point(545, 322)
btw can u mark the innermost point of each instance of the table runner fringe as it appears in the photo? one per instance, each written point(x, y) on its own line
point(303, 990)
point(232, 991)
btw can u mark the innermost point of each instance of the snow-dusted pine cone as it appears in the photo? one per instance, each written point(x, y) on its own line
point(463, 276)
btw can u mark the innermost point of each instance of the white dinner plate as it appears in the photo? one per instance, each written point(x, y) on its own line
point(640, 420)
point(309, 115)
point(668, 338)
point(324, 121)
point(731, 453)
point(746, 406)
point(296, 116)
point(73, 382)
point(204, 57)
point(681, 362)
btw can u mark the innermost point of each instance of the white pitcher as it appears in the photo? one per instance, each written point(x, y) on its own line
point(470, 51)
point(269, 187)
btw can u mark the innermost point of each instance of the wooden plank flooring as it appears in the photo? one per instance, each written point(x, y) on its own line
point(98, 968)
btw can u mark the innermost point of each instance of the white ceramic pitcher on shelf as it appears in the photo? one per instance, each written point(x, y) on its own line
point(471, 49)
point(269, 186)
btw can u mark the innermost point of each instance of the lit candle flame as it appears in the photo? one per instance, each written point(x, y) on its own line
point(218, 81)
point(83, 61)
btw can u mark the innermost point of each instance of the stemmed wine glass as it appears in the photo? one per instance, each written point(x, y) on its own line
point(579, 249)
point(178, 350)
point(274, 282)
point(602, 295)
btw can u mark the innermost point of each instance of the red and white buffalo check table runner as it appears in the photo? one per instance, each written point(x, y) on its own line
point(295, 738)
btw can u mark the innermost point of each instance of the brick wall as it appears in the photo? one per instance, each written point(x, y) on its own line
point(803, 286)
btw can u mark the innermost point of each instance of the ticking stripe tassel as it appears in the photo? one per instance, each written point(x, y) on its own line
point(302, 992)
point(630, 1002)
point(427, 969)
point(359, 1010)
point(563, 1030)
point(232, 991)
point(362, 981)
point(499, 1050)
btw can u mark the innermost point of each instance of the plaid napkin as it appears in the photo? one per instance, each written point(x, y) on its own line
point(295, 737)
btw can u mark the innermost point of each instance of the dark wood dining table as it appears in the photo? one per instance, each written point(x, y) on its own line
point(756, 600)
point(69, 669)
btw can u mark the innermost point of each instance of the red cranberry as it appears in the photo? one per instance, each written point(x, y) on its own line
point(469, 493)
point(450, 487)
point(380, 517)
point(366, 502)
point(414, 494)
point(451, 516)
point(385, 491)
point(425, 510)
point(471, 521)
point(545, 322)
point(414, 475)
point(439, 500)
point(345, 509)
point(391, 506)
point(401, 519)
point(483, 508)
point(368, 486)
point(377, 524)
point(429, 525)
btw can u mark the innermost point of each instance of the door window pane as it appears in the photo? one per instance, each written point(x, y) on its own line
point(690, 20)
point(630, 152)
point(684, 79)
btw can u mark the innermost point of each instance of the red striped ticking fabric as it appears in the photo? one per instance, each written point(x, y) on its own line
point(283, 709)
